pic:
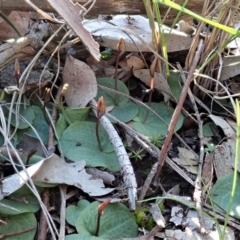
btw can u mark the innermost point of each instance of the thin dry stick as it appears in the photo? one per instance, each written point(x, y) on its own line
point(123, 159)
point(197, 195)
point(232, 222)
point(154, 151)
point(148, 108)
point(43, 224)
point(63, 192)
point(172, 125)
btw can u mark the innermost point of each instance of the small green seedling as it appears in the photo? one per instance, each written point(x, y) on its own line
point(157, 140)
point(210, 148)
point(137, 155)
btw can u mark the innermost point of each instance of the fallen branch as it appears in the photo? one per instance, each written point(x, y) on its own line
point(123, 159)
point(106, 7)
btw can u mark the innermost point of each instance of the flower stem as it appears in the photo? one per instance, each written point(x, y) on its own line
point(97, 134)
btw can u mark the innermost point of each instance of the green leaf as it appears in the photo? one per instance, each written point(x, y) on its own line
point(18, 205)
point(19, 227)
point(40, 125)
point(174, 80)
point(221, 194)
point(154, 125)
point(81, 237)
point(116, 222)
point(207, 131)
point(73, 212)
point(125, 113)
point(106, 53)
point(24, 111)
point(109, 97)
point(77, 114)
point(79, 142)
point(61, 125)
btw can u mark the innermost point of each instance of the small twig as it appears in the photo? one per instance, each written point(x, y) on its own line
point(43, 224)
point(172, 125)
point(154, 151)
point(123, 159)
point(63, 191)
point(197, 195)
point(221, 216)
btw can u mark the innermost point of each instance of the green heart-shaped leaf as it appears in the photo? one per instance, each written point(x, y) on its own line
point(77, 114)
point(125, 113)
point(73, 212)
point(79, 142)
point(109, 97)
point(19, 202)
point(40, 125)
point(221, 195)
point(154, 125)
point(19, 227)
point(116, 222)
point(24, 112)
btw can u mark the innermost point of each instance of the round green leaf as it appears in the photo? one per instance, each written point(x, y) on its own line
point(81, 237)
point(221, 195)
point(16, 226)
point(39, 123)
point(207, 131)
point(61, 125)
point(125, 113)
point(116, 222)
point(109, 97)
point(77, 114)
point(25, 112)
point(21, 201)
point(154, 125)
point(174, 80)
point(73, 212)
point(79, 142)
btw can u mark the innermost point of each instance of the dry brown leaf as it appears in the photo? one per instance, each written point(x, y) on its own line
point(135, 26)
point(82, 83)
point(159, 84)
point(135, 63)
point(225, 153)
point(21, 21)
point(55, 170)
point(70, 12)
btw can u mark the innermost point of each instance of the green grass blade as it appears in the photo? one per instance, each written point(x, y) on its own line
point(210, 22)
point(10, 23)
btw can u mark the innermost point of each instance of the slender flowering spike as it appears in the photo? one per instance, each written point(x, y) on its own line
point(65, 87)
point(101, 107)
point(152, 83)
point(102, 206)
point(47, 95)
point(153, 67)
point(17, 71)
point(121, 46)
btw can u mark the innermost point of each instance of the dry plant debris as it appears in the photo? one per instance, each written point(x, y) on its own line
point(92, 121)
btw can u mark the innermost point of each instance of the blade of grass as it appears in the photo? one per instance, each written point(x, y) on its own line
point(234, 184)
point(194, 15)
point(5, 18)
point(163, 39)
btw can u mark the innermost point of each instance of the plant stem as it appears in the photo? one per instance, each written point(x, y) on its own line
point(149, 104)
point(98, 226)
point(116, 75)
point(97, 134)
point(173, 123)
